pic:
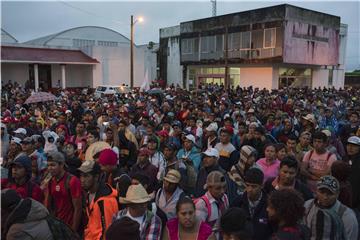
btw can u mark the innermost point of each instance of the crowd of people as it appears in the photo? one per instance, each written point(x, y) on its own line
point(213, 163)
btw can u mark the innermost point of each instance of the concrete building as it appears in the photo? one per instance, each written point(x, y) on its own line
point(78, 57)
point(271, 48)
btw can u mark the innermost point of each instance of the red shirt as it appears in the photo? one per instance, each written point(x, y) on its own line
point(61, 199)
point(23, 190)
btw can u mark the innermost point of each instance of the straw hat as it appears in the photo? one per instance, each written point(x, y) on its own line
point(95, 148)
point(135, 194)
point(173, 176)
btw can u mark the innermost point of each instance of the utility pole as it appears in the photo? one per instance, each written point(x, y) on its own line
point(213, 7)
point(226, 80)
point(132, 51)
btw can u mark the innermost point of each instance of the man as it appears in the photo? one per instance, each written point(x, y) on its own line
point(285, 209)
point(228, 155)
point(326, 216)
point(101, 201)
point(144, 167)
point(211, 136)
point(254, 203)
point(291, 145)
point(289, 169)
point(39, 154)
point(137, 200)
point(214, 202)
point(329, 121)
point(317, 163)
point(156, 157)
point(189, 153)
point(63, 194)
point(92, 136)
point(235, 225)
point(80, 136)
point(167, 196)
point(353, 151)
point(20, 179)
point(287, 131)
point(304, 144)
point(23, 219)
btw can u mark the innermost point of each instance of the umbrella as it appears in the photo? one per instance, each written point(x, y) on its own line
point(95, 148)
point(155, 91)
point(40, 97)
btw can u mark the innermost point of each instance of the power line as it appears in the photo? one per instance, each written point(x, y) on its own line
point(92, 14)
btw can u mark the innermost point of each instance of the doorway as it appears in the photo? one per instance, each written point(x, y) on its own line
point(44, 76)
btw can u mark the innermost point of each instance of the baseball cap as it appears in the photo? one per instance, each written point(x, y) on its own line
point(354, 140)
point(215, 178)
point(213, 127)
point(190, 137)
point(173, 176)
point(21, 131)
point(68, 111)
point(170, 146)
point(22, 160)
point(211, 152)
point(327, 132)
point(16, 140)
point(55, 156)
point(330, 183)
point(251, 110)
point(144, 152)
point(27, 140)
point(89, 166)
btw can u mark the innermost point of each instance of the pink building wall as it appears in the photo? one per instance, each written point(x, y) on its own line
point(306, 44)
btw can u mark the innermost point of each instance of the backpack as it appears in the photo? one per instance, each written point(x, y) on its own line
point(328, 223)
point(60, 230)
point(207, 204)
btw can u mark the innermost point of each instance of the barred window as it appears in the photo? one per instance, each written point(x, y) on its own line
point(187, 46)
point(207, 44)
point(107, 44)
point(83, 42)
point(245, 40)
point(269, 37)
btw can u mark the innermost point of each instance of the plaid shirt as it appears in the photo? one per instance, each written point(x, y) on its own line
point(150, 229)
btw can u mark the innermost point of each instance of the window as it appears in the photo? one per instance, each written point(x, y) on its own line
point(83, 42)
point(233, 41)
point(187, 46)
point(245, 40)
point(269, 38)
point(257, 39)
point(219, 43)
point(107, 44)
point(207, 44)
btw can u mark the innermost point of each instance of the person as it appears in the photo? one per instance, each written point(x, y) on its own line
point(317, 163)
point(234, 225)
point(186, 225)
point(167, 196)
point(285, 210)
point(136, 201)
point(127, 148)
point(80, 136)
point(72, 161)
point(254, 202)
point(211, 205)
point(101, 201)
point(20, 179)
point(269, 164)
point(326, 216)
point(289, 168)
point(125, 228)
point(291, 146)
point(353, 151)
point(304, 145)
point(156, 157)
point(5, 140)
point(280, 150)
point(211, 136)
point(228, 155)
point(248, 156)
point(189, 153)
point(23, 219)
point(144, 167)
point(39, 154)
point(63, 195)
point(341, 171)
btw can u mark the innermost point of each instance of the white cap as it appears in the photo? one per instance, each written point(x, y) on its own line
point(211, 152)
point(327, 132)
point(251, 110)
point(21, 130)
point(354, 140)
point(190, 137)
point(16, 140)
point(68, 111)
point(213, 127)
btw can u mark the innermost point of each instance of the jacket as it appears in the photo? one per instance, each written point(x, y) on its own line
point(28, 222)
point(194, 156)
point(259, 219)
point(100, 212)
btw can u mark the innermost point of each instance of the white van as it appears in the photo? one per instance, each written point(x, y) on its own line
point(110, 90)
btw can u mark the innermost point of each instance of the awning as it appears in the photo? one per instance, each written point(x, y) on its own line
point(15, 54)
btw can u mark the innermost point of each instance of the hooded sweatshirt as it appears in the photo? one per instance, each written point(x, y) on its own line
point(28, 222)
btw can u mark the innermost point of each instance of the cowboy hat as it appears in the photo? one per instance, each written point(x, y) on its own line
point(135, 194)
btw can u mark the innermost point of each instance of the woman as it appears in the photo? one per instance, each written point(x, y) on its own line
point(186, 225)
point(269, 164)
point(280, 151)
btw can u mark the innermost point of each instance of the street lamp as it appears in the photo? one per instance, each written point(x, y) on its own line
point(132, 23)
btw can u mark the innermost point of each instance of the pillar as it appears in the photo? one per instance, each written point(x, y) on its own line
point(36, 76)
point(63, 80)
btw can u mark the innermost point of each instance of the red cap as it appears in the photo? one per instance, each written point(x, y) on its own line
point(108, 157)
point(163, 133)
point(144, 152)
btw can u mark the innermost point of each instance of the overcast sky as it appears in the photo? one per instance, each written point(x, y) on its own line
point(26, 20)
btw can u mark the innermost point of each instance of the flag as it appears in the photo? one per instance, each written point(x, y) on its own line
point(145, 85)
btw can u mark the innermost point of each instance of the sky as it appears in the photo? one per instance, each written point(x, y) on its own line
point(26, 20)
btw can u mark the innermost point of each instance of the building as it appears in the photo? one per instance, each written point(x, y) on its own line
point(77, 57)
point(271, 48)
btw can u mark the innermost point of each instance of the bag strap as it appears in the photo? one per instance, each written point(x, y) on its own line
point(311, 205)
point(208, 206)
point(102, 212)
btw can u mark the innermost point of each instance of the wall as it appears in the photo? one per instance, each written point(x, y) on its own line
point(320, 77)
point(305, 43)
point(174, 69)
point(75, 75)
point(14, 71)
point(261, 77)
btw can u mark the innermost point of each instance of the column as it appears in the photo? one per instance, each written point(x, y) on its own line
point(36, 76)
point(63, 80)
